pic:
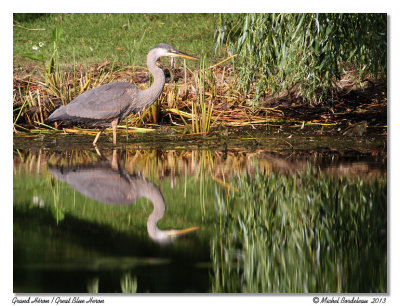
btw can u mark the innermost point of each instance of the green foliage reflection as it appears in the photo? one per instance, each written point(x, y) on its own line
point(296, 234)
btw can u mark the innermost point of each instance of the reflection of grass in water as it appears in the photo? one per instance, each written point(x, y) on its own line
point(56, 209)
point(93, 285)
point(128, 284)
point(308, 233)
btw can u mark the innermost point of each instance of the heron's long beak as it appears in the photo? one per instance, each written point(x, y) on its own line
point(184, 55)
point(178, 233)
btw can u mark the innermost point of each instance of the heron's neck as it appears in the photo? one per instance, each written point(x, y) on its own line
point(150, 95)
point(152, 193)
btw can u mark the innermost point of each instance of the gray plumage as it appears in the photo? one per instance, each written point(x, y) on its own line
point(106, 105)
point(99, 106)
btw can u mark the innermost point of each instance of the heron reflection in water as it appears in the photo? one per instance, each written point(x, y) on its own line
point(107, 182)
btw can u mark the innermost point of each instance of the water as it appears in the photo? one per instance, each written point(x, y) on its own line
point(264, 213)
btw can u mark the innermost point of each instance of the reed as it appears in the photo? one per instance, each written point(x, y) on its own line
point(202, 106)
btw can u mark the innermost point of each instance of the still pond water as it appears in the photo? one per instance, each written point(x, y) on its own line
point(180, 214)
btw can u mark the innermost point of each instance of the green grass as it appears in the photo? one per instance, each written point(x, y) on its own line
point(126, 38)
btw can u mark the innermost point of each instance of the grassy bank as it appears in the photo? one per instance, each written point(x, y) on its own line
point(59, 56)
point(96, 38)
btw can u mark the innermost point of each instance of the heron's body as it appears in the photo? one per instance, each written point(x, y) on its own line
point(106, 105)
point(99, 106)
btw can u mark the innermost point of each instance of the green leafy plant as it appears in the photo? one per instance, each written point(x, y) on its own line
point(305, 52)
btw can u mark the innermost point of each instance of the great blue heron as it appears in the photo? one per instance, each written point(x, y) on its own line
point(107, 105)
point(108, 183)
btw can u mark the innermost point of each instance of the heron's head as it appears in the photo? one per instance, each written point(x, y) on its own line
point(167, 50)
point(167, 236)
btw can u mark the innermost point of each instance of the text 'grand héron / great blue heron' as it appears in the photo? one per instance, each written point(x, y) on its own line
point(108, 104)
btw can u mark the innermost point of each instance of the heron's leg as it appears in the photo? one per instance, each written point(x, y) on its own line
point(97, 136)
point(114, 128)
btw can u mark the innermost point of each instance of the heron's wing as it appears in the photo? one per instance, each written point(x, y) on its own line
point(103, 102)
